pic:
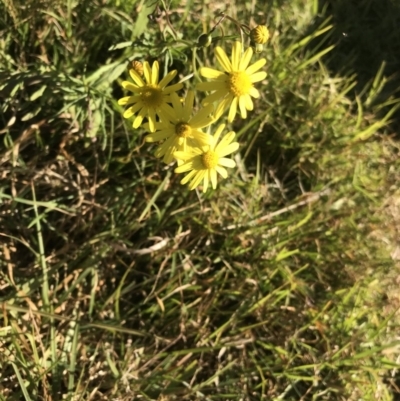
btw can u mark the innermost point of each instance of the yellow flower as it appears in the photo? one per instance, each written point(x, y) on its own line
point(259, 34)
point(203, 163)
point(149, 98)
point(235, 84)
point(179, 130)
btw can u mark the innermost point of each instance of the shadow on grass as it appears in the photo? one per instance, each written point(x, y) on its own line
point(366, 35)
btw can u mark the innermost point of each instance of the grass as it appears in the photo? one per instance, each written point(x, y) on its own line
point(117, 283)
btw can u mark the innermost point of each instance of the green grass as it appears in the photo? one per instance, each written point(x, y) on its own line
point(117, 283)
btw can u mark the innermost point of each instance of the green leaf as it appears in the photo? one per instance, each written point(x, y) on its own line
point(31, 114)
point(38, 93)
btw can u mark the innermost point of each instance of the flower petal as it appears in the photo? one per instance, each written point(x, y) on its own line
point(167, 113)
point(224, 161)
point(137, 121)
point(222, 171)
point(183, 168)
point(254, 92)
point(136, 77)
point(155, 73)
point(248, 102)
point(197, 179)
point(188, 177)
point(224, 142)
point(130, 86)
point(172, 88)
point(159, 135)
point(201, 138)
point(213, 97)
point(151, 119)
point(176, 104)
point(188, 107)
point(167, 79)
point(233, 147)
point(207, 72)
point(124, 101)
point(258, 76)
point(202, 118)
point(236, 53)
point(217, 134)
point(256, 66)
point(242, 107)
point(223, 59)
point(128, 113)
point(211, 86)
point(146, 72)
point(244, 62)
point(233, 109)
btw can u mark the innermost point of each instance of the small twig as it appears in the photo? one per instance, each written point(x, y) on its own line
point(310, 199)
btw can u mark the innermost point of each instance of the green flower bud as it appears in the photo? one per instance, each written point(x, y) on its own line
point(204, 40)
point(258, 48)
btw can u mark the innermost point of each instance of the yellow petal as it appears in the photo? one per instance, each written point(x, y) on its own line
point(242, 107)
point(131, 87)
point(167, 79)
point(172, 88)
point(137, 121)
point(188, 107)
point(254, 92)
point(128, 100)
point(233, 147)
point(236, 53)
point(258, 76)
point(146, 72)
point(223, 59)
point(233, 109)
point(224, 161)
point(211, 73)
point(128, 113)
point(213, 97)
point(197, 179)
point(224, 142)
point(136, 77)
point(222, 171)
point(152, 120)
point(155, 71)
point(188, 177)
point(256, 66)
point(244, 62)
point(248, 102)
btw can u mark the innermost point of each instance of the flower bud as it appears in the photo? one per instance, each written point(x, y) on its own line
point(136, 66)
point(259, 34)
point(258, 48)
point(204, 40)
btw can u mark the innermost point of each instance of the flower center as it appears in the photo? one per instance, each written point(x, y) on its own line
point(239, 83)
point(151, 96)
point(183, 130)
point(210, 159)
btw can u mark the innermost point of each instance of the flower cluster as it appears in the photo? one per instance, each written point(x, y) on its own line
point(172, 123)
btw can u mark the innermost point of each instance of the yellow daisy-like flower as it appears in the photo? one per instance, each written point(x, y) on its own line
point(179, 130)
point(203, 163)
point(150, 97)
point(235, 84)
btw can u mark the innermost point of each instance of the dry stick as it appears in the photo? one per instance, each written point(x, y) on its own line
point(310, 199)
